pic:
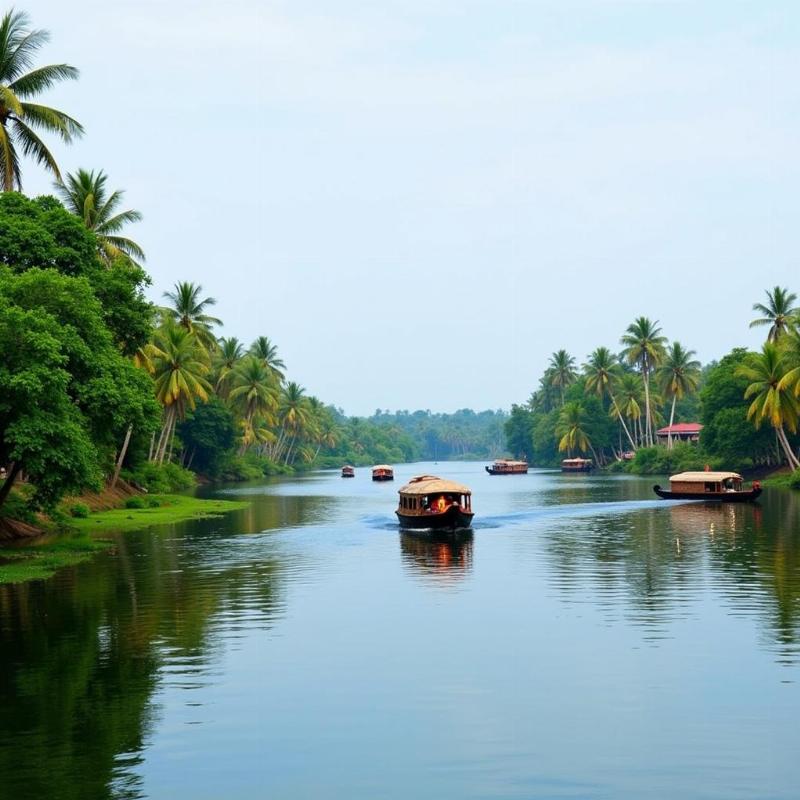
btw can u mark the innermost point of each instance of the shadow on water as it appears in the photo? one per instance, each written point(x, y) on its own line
point(443, 558)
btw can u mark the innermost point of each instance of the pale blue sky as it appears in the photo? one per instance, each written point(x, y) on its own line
point(374, 183)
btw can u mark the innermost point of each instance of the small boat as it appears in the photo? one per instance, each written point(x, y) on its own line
point(382, 472)
point(577, 465)
point(505, 467)
point(428, 501)
point(348, 472)
point(724, 487)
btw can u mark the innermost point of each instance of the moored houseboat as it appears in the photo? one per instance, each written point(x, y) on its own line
point(577, 465)
point(503, 466)
point(348, 472)
point(724, 487)
point(382, 472)
point(428, 501)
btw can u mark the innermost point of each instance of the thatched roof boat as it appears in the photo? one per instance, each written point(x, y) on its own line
point(428, 501)
point(725, 487)
point(503, 466)
point(382, 472)
point(577, 465)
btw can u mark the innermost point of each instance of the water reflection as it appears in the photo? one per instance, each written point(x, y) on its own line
point(444, 558)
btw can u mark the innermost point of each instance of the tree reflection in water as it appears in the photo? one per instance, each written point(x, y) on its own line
point(443, 558)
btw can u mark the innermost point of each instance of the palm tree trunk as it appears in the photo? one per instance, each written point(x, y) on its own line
point(161, 434)
point(647, 434)
point(122, 454)
point(671, 418)
point(622, 421)
point(152, 445)
point(787, 448)
point(16, 468)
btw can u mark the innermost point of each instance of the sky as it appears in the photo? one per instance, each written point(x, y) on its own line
point(419, 201)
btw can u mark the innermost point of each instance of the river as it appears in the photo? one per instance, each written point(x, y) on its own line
point(585, 640)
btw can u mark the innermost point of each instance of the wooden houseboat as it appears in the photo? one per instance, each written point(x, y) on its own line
point(382, 472)
point(504, 467)
point(348, 472)
point(431, 502)
point(577, 465)
point(725, 487)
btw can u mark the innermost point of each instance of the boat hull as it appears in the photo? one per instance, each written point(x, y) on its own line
point(348, 475)
point(451, 519)
point(748, 496)
point(577, 469)
point(492, 471)
point(383, 477)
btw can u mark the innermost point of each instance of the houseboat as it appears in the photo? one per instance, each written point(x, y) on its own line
point(504, 467)
point(382, 472)
point(348, 472)
point(577, 465)
point(725, 487)
point(431, 502)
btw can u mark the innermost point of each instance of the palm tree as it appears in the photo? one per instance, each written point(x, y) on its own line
point(19, 83)
point(562, 371)
point(629, 390)
point(644, 347)
point(779, 313)
point(571, 430)
point(254, 388)
point(678, 375)
point(228, 354)
point(602, 371)
point(180, 365)
point(85, 195)
point(293, 413)
point(773, 399)
point(188, 310)
point(263, 349)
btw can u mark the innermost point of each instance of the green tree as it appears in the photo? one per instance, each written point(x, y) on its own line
point(562, 371)
point(266, 352)
point(772, 399)
point(644, 347)
point(571, 429)
point(779, 313)
point(19, 84)
point(189, 311)
point(253, 389)
point(86, 196)
point(678, 375)
point(209, 435)
point(602, 372)
point(228, 354)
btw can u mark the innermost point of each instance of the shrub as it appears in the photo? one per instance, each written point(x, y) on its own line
point(79, 510)
point(153, 502)
point(135, 502)
point(659, 460)
point(161, 478)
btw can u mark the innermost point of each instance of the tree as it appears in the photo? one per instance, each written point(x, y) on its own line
point(209, 434)
point(293, 415)
point(189, 311)
point(772, 399)
point(20, 118)
point(644, 347)
point(85, 195)
point(264, 350)
point(571, 429)
point(779, 313)
point(254, 390)
point(629, 390)
point(562, 371)
point(228, 354)
point(602, 371)
point(678, 376)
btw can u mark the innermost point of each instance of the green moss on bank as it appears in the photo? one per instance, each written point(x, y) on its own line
point(41, 557)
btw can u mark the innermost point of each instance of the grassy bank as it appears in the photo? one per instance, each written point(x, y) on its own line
point(83, 538)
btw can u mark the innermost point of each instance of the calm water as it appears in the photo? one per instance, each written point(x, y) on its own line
point(584, 641)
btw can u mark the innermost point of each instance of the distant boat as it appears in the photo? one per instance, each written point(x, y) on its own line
point(382, 472)
point(724, 487)
point(428, 501)
point(348, 472)
point(577, 465)
point(504, 467)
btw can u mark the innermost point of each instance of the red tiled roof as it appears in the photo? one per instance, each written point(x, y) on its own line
point(681, 427)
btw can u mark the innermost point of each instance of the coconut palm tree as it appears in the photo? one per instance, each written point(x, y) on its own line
point(773, 399)
point(779, 313)
point(602, 371)
point(180, 365)
point(571, 430)
point(229, 353)
point(254, 389)
point(293, 414)
point(678, 375)
point(629, 390)
point(189, 311)
point(19, 84)
point(85, 194)
point(562, 371)
point(644, 347)
point(263, 349)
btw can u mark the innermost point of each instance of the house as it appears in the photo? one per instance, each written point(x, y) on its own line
point(681, 432)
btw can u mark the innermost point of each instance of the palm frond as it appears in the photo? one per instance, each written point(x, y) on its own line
point(9, 162)
point(114, 224)
point(36, 81)
point(52, 120)
point(34, 147)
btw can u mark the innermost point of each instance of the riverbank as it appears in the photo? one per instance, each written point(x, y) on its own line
point(80, 539)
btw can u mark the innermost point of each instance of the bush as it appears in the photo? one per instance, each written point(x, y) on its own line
point(659, 460)
point(153, 502)
point(79, 511)
point(135, 502)
point(251, 467)
point(161, 478)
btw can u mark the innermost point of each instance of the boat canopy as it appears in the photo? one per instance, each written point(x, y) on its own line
point(704, 477)
point(430, 484)
point(382, 466)
point(509, 463)
point(576, 461)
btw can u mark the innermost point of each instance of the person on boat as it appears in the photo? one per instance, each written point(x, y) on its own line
point(441, 504)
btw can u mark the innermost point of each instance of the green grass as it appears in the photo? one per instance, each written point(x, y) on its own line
point(173, 508)
point(40, 558)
